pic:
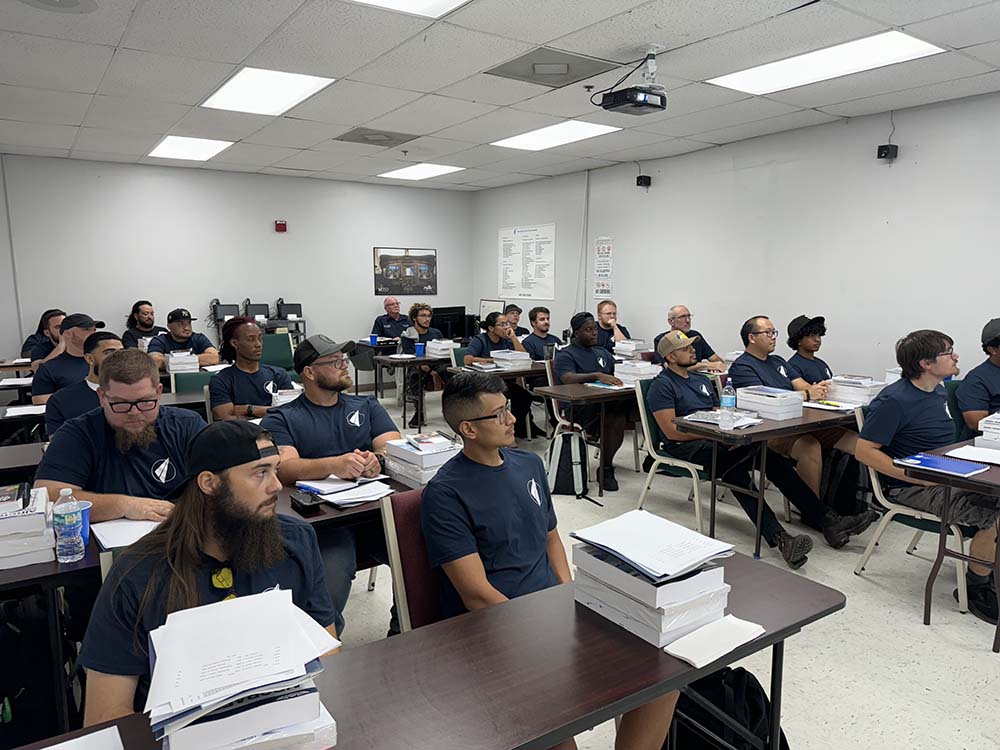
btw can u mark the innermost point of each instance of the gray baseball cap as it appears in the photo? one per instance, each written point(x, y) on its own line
point(991, 331)
point(316, 346)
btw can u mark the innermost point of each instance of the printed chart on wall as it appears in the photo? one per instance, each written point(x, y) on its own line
point(604, 249)
point(527, 262)
point(405, 270)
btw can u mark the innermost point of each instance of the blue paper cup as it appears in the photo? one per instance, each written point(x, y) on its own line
point(373, 339)
point(85, 506)
point(419, 349)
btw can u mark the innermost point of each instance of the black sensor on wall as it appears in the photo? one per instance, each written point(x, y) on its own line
point(888, 151)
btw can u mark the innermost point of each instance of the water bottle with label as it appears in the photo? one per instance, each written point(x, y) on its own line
point(67, 522)
point(727, 420)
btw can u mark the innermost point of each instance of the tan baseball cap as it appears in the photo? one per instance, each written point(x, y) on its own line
point(673, 341)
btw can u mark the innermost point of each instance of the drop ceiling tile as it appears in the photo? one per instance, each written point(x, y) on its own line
point(501, 123)
point(603, 144)
point(899, 12)
point(915, 97)
point(42, 63)
point(962, 29)
point(201, 122)
point(103, 24)
point(148, 75)
point(100, 156)
point(39, 105)
point(737, 113)
point(577, 165)
point(114, 142)
point(660, 150)
point(942, 67)
point(286, 131)
point(14, 133)
point(224, 167)
point(133, 115)
point(338, 176)
point(478, 156)
point(441, 56)
point(10, 148)
point(352, 103)
point(370, 166)
point(491, 89)
point(429, 114)
point(666, 24)
point(528, 162)
point(222, 31)
point(810, 28)
point(536, 22)
point(988, 52)
point(694, 97)
point(804, 119)
point(253, 155)
point(509, 179)
point(286, 172)
point(427, 148)
point(348, 150)
point(314, 161)
point(332, 38)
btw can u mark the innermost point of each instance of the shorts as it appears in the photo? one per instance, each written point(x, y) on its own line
point(827, 439)
point(967, 508)
point(589, 415)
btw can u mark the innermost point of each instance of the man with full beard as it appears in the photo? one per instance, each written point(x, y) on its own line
point(129, 454)
point(224, 540)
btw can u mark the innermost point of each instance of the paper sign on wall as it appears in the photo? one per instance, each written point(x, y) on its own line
point(527, 262)
point(603, 267)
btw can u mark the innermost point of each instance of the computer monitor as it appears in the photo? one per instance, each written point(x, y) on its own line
point(255, 309)
point(221, 312)
point(289, 308)
point(450, 321)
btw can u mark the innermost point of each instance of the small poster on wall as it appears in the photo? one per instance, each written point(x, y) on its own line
point(603, 267)
point(405, 270)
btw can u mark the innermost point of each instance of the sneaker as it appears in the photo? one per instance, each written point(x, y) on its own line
point(837, 530)
point(982, 602)
point(794, 548)
point(608, 481)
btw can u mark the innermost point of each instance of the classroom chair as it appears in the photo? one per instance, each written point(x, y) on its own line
point(413, 580)
point(278, 350)
point(189, 382)
point(458, 356)
point(962, 431)
point(208, 404)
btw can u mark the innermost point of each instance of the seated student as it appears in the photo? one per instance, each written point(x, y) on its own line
point(224, 540)
point(49, 345)
point(498, 334)
point(911, 416)
point(68, 368)
point(490, 527)
point(328, 431)
point(805, 337)
point(392, 324)
point(128, 455)
point(539, 337)
point(584, 361)
point(179, 337)
point(75, 400)
point(421, 332)
point(679, 319)
point(244, 390)
point(513, 313)
point(141, 324)
point(608, 329)
point(979, 392)
point(40, 336)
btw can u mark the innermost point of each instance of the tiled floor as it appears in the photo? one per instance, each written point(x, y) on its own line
point(871, 676)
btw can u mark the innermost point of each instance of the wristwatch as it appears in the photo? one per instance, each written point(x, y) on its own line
point(250, 410)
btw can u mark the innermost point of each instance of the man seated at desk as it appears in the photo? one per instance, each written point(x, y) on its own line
point(392, 324)
point(609, 331)
point(327, 431)
point(224, 540)
point(490, 528)
point(46, 335)
point(539, 337)
point(69, 367)
point(179, 337)
point(421, 332)
point(128, 455)
point(141, 324)
point(805, 337)
point(979, 392)
point(244, 389)
point(911, 416)
point(513, 313)
point(679, 319)
point(74, 400)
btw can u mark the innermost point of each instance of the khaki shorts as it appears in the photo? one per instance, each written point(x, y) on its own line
point(827, 439)
point(967, 508)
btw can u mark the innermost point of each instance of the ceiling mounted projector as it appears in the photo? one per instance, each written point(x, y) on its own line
point(637, 100)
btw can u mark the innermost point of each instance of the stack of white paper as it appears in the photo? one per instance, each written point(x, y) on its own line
point(121, 532)
point(634, 370)
point(24, 410)
point(631, 348)
point(854, 389)
point(770, 403)
point(413, 466)
point(711, 642)
point(346, 492)
point(182, 361)
point(218, 687)
point(440, 347)
point(990, 427)
point(286, 395)
point(892, 374)
point(15, 382)
point(509, 359)
point(26, 535)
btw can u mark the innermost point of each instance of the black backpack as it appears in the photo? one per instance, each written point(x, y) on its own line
point(735, 692)
point(568, 469)
point(844, 486)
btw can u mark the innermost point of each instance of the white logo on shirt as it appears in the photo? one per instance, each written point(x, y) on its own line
point(828, 373)
point(600, 361)
point(533, 490)
point(704, 389)
point(947, 411)
point(164, 471)
point(270, 387)
point(781, 369)
point(356, 418)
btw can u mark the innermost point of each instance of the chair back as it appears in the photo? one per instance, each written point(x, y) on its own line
point(962, 431)
point(651, 432)
point(278, 350)
point(413, 580)
point(363, 358)
point(189, 382)
point(458, 356)
point(874, 476)
point(648, 356)
point(208, 404)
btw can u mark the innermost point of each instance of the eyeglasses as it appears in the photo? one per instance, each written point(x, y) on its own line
point(770, 333)
point(500, 416)
point(682, 317)
point(505, 324)
point(222, 579)
point(124, 407)
point(946, 353)
point(341, 363)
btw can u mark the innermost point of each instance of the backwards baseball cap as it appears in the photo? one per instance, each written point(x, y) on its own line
point(316, 346)
point(512, 306)
point(991, 331)
point(802, 321)
point(79, 320)
point(674, 340)
point(223, 445)
point(179, 314)
point(579, 320)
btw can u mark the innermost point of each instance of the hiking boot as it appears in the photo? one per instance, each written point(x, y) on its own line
point(794, 548)
point(608, 481)
point(837, 530)
point(982, 602)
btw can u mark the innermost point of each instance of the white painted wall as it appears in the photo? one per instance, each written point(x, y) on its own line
point(10, 332)
point(800, 222)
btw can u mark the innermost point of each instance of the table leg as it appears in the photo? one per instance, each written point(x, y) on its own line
point(711, 507)
point(420, 398)
point(600, 461)
point(996, 585)
point(402, 427)
point(777, 665)
point(356, 381)
point(760, 497)
point(56, 654)
point(939, 559)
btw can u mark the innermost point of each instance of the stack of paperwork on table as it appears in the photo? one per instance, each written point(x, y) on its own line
point(990, 427)
point(415, 459)
point(182, 361)
point(26, 535)
point(345, 493)
point(770, 403)
point(853, 390)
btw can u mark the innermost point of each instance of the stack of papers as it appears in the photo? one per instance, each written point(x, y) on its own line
point(609, 387)
point(770, 403)
point(286, 395)
point(854, 389)
point(712, 642)
point(26, 535)
point(15, 382)
point(415, 460)
point(631, 348)
point(632, 371)
point(219, 687)
point(743, 418)
point(990, 427)
point(183, 361)
point(21, 361)
point(975, 453)
point(121, 532)
point(485, 366)
point(893, 374)
point(216, 368)
point(440, 347)
point(509, 359)
point(24, 411)
point(345, 493)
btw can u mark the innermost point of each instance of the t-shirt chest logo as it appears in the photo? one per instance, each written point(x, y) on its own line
point(704, 389)
point(600, 361)
point(164, 471)
point(270, 387)
point(781, 369)
point(947, 411)
point(535, 493)
point(356, 418)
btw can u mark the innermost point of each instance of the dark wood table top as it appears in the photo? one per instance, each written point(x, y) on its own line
point(328, 514)
point(10, 387)
point(985, 483)
point(536, 369)
point(581, 393)
point(39, 417)
point(187, 400)
point(528, 673)
point(8, 365)
point(52, 573)
point(24, 456)
point(409, 361)
point(811, 419)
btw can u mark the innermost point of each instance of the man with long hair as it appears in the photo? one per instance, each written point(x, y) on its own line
point(50, 344)
point(128, 455)
point(141, 324)
point(41, 335)
point(224, 540)
point(244, 390)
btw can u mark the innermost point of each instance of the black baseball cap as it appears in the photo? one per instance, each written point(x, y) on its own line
point(512, 306)
point(180, 313)
point(316, 346)
point(991, 331)
point(223, 445)
point(801, 322)
point(79, 320)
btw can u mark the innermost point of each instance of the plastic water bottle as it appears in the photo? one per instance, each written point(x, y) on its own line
point(727, 420)
point(67, 522)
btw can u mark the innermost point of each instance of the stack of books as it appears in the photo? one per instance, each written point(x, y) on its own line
point(26, 535)
point(990, 427)
point(415, 459)
point(893, 374)
point(633, 370)
point(854, 389)
point(183, 361)
point(650, 576)
point(770, 403)
point(485, 366)
point(631, 348)
point(285, 395)
point(216, 687)
point(510, 359)
point(440, 347)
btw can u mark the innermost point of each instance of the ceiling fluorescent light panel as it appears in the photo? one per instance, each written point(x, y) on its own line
point(265, 92)
point(421, 172)
point(555, 135)
point(191, 149)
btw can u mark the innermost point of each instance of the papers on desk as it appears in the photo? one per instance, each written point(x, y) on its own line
point(334, 484)
point(106, 739)
point(743, 419)
point(826, 405)
point(609, 387)
point(15, 382)
point(21, 361)
point(24, 411)
point(713, 641)
point(121, 532)
point(346, 493)
point(402, 356)
point(973, 453)
point(215, 368)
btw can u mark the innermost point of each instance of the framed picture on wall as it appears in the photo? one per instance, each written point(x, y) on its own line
point(405, 270)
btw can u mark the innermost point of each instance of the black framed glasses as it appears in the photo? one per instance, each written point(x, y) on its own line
point(770, 333)
point(124, 407)
point(499, 416)
point(946, 353)
point(341, 363)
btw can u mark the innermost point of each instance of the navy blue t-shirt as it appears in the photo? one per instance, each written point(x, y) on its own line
point(431, 335)
point(582, 360)
point(702, 349)
point(904, 420)
point(83, 453)
point(504, 513)
point(980, 389)
point(31, 342)
point(234, 386)
point(117, 638)
point(812, 370)
point(42, 349)
point(130, 339)
point(68, 403)
point(606, 337)
point(388, 328)
point(535, 344)
point(323, 431)
point(59, 372)
point(164, 343)
point(684, 395)
point(773, 372)
point(482, 346)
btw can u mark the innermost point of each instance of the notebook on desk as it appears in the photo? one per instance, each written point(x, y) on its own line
point(942, 464)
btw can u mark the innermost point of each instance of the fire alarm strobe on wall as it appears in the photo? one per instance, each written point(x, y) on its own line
point(280, 225)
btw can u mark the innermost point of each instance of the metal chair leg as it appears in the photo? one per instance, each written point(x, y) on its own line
point(879, 530)
point(372, 576)
point(635, 449)
point(960, 568)
point(912, 546)
point(649, 481)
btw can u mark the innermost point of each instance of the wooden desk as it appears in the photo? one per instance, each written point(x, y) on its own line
point(330, 515)
point(32, 418)
point(191, 400)
point(383, 348)
point(21, 459)
point(8, 366)
point(810, 421)
point(531, 672)
point(987, 483)
point(385, 361)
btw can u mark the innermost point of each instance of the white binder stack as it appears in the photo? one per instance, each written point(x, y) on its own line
point(770, 403)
